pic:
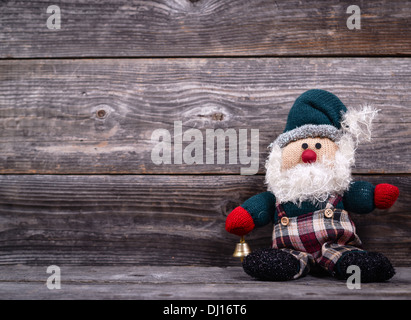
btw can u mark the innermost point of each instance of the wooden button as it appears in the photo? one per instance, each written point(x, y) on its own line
point(284, 221)
point(329, 213)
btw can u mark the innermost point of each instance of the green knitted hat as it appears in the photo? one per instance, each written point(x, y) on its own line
point(315, 114)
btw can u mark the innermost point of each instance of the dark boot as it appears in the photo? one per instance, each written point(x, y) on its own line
point(271, 264)
point(374, 266)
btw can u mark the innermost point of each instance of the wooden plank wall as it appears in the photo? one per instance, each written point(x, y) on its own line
point(78, 107)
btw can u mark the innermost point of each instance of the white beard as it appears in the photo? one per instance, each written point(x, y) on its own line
point(313, 182)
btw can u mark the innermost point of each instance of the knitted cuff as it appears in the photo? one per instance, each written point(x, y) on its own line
point(385, 195)
point(308, 131)
point(239, 222)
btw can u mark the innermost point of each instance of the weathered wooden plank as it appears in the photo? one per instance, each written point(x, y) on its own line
point(190, 283)
point(154, 220)
point(98, 116)
point(202, 28)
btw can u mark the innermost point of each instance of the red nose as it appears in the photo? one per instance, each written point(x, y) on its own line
point(309, 156)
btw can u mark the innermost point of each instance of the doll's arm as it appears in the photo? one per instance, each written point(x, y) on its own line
point(363, 197)
point(255, 212)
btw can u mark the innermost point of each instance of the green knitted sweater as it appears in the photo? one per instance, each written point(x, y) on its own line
point(358, 199)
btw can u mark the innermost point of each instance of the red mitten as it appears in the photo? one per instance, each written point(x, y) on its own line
point(239, 222)
point(385, 195)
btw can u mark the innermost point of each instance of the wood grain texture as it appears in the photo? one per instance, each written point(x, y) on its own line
point(155, 220)
point(96, 116)
point(188, 283)
point(124, 28)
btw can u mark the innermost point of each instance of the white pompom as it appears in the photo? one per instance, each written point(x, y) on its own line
point(358, 123)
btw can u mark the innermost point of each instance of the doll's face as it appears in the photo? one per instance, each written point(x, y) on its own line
point(293, 175)
point(310, 150)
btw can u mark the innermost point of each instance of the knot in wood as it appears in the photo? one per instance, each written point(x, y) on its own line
point(218, 116)
point(101, 113)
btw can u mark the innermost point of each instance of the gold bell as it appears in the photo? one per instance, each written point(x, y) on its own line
point(242, 249)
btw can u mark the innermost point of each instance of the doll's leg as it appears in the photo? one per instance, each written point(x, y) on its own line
point(277, 264)
point(374, 266)
point(337, 258)
point(331, 253)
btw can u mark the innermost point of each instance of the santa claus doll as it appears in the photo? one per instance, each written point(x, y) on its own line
point(310, 194)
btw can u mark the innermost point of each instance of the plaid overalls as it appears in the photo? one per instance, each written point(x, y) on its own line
point(320, 237)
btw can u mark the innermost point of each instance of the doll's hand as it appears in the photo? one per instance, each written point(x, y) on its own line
point(239, 222)
point(385, 195)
